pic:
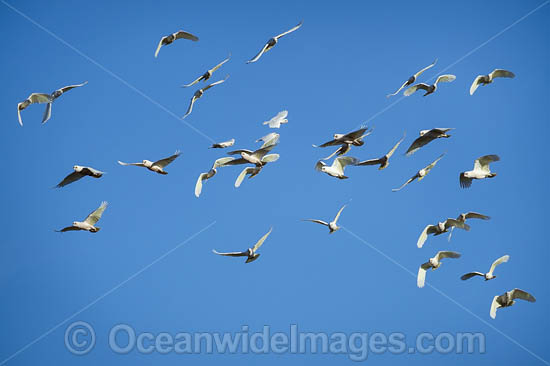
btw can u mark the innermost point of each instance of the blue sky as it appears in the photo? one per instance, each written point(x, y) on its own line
point(331, 75)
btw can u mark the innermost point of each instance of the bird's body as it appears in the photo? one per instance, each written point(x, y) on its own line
point(332, 226)
point(384, 160)
point(89, 223)
point(278, 120)
point(507, 299)
point(481, 170)
point(440, 228)
point(157, 166)
point(412, 79)
point(346, 141)
point(489, 275)
point(429, 89)
point(78, 173)
point(433, 263)
point(420, 174)
point(337, 168)
point(488, 79)
point(250, 253)
point(223, 145)
point(41, 98)
point(208, 74)
point(427, 136)
point(166, 40)
point(272, 42)
point(199, 93)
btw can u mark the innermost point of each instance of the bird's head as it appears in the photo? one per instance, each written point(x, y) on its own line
point(77, 168)
point(147, 162)
point(423, 132)
point(75, 223)
point(338, 136)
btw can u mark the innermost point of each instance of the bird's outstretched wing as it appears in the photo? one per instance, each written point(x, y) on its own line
point(520, 294)
point(47, 113)
point(467, 276)
point(69, 87)
point(190, 108)
point(390, 153)
point(198, 185)
point(342, 161)
point(193, 82)
point(270, 158)
point(475, 84)
point(245, 171)
point(494, 306)
point(32, 99)
point(424, 69)
point(261, 241)
point(456, 223)
point(338, 214)
point(289, 31)
point(419, 142)
point(465, 182)
point(231, 254)
point(414, 88)
point(421, 277)
point(475, 215)
point(258, 55)
point(500, 73)
point(483, 162)
point(447, 254)
point(94, 217)
point(429, 167)
point(398, 90)
point(73, 177)
point(447, 78)
point(407, 182)
point(317, 221)
point(370, 162)
point(502, 259)
point(68, 228)
point(164, 162)
point(186, 35)
point(429, 229)
point(220, 64)
point(222, 162)
point(159, 46)
point(215, 83)
point(134, 164)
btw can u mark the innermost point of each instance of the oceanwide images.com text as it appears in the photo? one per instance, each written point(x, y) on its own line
point(80, 339)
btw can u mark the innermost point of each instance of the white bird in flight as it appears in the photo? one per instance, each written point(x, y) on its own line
point(44, 98)
point(250, 253)
point(420, 174)
point(433, 263)
point(78, 173)
point(208, 74)
point(278, 120)
point(412, 79)
point(481, 170)
point(212, 172)
point(89, 223)
point(223, 145)
point(199, 93)
point(429, 88)
point(157, 166)
point(332, 226)
point(272, 42)
point(337, 168)
point(384, 161)
point(271, 138)
point(469, 215)
point(440, 228)
point(489, 275)
point(427, 136)
point(488, 79)
point(507, 299)
point(166, 40)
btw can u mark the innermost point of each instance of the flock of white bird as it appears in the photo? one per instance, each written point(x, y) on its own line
point(257, 159)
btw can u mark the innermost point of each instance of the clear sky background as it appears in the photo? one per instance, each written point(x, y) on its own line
point(331, 75)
